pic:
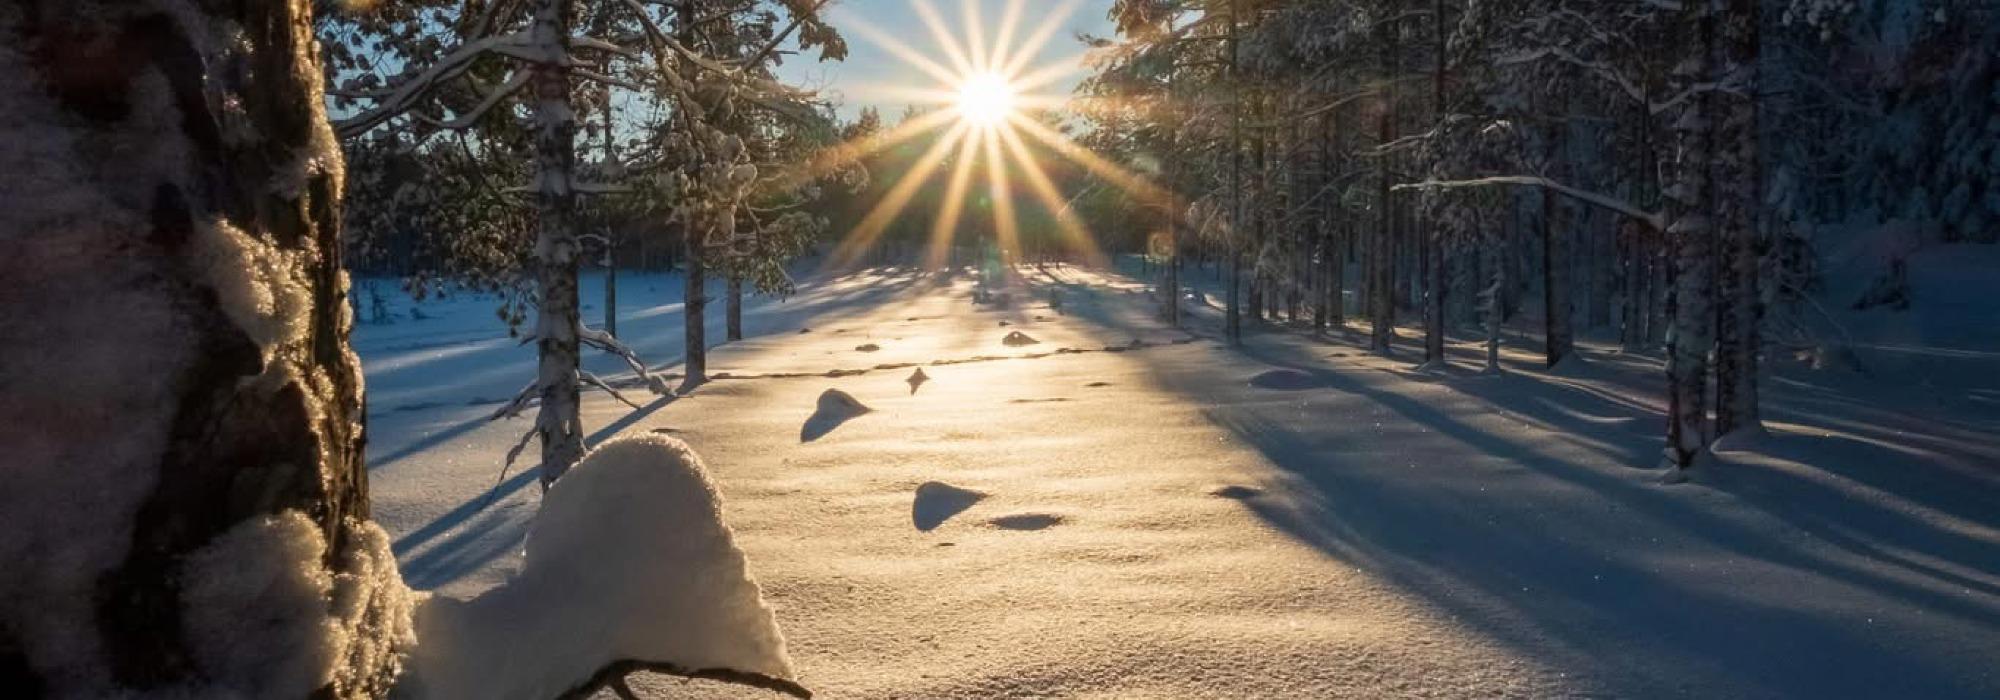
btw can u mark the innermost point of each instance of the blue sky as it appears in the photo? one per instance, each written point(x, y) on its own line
point(852, 83)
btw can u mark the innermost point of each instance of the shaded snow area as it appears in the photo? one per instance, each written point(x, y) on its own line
point(629, 559)
point(1123, 510)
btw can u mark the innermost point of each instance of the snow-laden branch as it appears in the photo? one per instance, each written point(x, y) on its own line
point(1603, 70)
point(405, 96)
point(1658, 220)
point(514, 83)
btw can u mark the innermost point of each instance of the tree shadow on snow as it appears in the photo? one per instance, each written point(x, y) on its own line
point(1507, 545)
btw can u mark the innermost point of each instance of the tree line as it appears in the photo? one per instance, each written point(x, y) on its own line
point(1658, 167)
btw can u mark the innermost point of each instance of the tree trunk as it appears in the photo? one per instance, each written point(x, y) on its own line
point(1737, 326)
point(1558, 339)
point(1691, 206)
point(559, 421)
point(1381, 256)
point(694, 320)
point(1233, 316)
point(734, 310)
point(611, 290)
point(177, 395)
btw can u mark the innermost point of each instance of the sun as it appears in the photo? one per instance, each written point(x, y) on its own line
point(988, 109)
point(986, 99)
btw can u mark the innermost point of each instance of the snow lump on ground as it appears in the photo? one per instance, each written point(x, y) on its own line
point(628, 559)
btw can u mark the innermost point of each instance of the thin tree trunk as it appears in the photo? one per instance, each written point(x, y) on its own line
point(1382, 282)
point(559, 421)
point(1692, 308)
point(1233, 317)
point(734, 310)
point(1737, 340)
point(1556, 332)
point(611, 289)
point(694, 322)
point(1434, 255)
point(207, 412)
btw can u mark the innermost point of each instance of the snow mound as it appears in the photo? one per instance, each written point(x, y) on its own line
point(937, 501)
point(1286, 380)
point(867, 347)
point(1017, 339)
point(629, 559)
point(835, 407)
point(1027, 521)
point(917, 379)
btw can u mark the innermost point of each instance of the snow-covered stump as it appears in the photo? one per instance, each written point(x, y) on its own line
point(629, 567)
point(186, 503)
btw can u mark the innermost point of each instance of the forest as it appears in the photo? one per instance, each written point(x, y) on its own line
point(1078, 348)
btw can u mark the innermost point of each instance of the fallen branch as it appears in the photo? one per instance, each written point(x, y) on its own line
point(613, 676)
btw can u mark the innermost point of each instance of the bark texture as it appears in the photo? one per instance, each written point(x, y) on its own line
point(175, 185)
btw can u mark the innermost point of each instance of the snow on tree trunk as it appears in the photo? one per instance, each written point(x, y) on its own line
point(629, 559)
point(186, 504)
point(1691, 207)
point(1737, 323)
point(559, 421)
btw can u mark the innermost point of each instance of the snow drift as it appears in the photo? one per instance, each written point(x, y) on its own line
point(628, 559)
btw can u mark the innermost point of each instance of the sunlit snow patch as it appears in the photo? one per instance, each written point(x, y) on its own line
point(628, 559)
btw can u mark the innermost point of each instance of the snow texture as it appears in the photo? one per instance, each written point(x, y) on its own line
point(1379, 534)
point(266, 620)
point(628, 559)
point(69, 502)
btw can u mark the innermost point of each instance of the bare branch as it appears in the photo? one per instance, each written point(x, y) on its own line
point(596, 381)
point(616, 671)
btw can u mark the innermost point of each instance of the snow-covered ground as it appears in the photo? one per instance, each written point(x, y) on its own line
point(1092, 517)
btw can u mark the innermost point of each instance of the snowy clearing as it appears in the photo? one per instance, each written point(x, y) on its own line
point(1124, 510)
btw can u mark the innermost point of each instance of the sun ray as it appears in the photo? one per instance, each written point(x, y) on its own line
point(954, 205)
point(1096, 164)
point(1048, 74)
point(879, 92)
point(975, 35)
point(1039, 38)
point(941, 33)
point(1010, 20)
point(1006, 227)
point(1073, 231)
point(893, 203)
point(858, 149)
point(903, 51)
